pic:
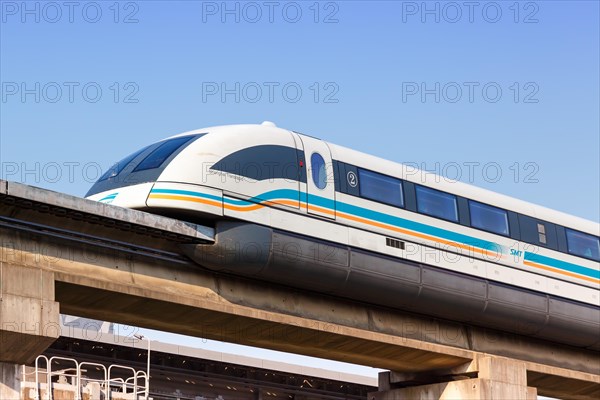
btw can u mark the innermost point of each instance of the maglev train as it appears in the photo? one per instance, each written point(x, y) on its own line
point(297, 211)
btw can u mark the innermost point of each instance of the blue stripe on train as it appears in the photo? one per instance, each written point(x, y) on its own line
point(567, 266)
point(390, 220)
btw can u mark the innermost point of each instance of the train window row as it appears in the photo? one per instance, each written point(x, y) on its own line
point(425, 200)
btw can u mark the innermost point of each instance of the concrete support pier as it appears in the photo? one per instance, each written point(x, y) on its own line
point(29, 316)
point(487, 377)
point(10, 381)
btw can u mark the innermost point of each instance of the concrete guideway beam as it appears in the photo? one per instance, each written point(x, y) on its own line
point(102, 284)
point(107, 285)
point(47, 201)
point(562, 383)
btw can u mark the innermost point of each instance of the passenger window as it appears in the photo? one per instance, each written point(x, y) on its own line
point(382, 188)
point(319, 173)
point(262, 162)
point(161, 153)
point(583, 245)
point(437, 204)
point(488, 218)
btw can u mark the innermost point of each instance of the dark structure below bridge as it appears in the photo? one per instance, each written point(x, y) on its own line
point(180, 372)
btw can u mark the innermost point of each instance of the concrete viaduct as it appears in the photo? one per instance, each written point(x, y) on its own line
point(63, 254)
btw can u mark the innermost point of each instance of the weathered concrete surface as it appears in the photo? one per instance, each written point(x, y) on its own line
point(78, 208)
point(29, 316)
point(186, 299)
point(470, 389)
point(10, 381)
point(496, 378)
point(562, 383)
point(549, 381)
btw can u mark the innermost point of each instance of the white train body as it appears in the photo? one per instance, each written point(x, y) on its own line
point(327, 196)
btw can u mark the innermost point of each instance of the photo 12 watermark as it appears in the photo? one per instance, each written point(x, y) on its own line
point(29, 251)
point(472, 172)
point(54, 12)
point(51, 172)
point(270, 92)
point(470, 12)
point(271, 12)
point(526, 172)
point(69, 92)
point(470, 92)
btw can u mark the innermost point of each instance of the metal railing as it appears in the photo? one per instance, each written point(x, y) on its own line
point(94, 380)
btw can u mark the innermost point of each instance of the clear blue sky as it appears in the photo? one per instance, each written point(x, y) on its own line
point(400, 80)
point(376, 59)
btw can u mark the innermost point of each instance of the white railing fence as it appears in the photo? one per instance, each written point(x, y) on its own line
point(61, 378)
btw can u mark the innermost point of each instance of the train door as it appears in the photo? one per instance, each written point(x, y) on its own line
point(320, 187)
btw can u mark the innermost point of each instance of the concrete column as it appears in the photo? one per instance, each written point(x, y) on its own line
point(497, 379)
point(29, 316)
point(10, 381)
point(503, 378)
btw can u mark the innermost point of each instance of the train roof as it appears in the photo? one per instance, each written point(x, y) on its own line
point(412, 174)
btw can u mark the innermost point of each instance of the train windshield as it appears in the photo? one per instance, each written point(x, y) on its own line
point(144, 165)
point(161, 153)
point(118, 167)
